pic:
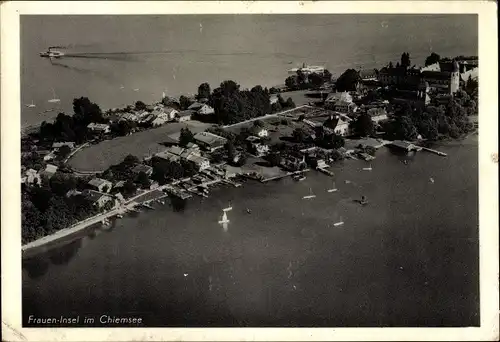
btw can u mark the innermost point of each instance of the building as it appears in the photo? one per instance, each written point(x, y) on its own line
point(50, 171)
point(49, 156)
point(416, 97)
point(97, 198)
point(258, 148)
point(342, 127)
point(98, 128)
point(129, 117)
point(399, 77)
point(308, 69)
point(201, 163)
point(201, 108)
point(273, 99)
point(340, 102)
point(72, 193)
point(377, 114)
point(295, 162)
point(443, 81)
point(170, 113)
point(57, 145)
point(31, 177)
point(148, 170)
point(209, 141)
point(368, 74)
point(100, 184)
point(184, 115)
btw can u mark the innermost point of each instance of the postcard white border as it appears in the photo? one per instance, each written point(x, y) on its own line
point(10, 154)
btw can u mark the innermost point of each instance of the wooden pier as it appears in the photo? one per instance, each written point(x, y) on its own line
point(182, 194)
point(439, 153)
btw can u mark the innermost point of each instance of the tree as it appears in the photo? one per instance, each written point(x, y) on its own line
point(432, 59)
point(274, 159)
point(130, 160)
point(348, 80)
point(292, 82)
point(316, 80)
point(258, 123)
point(143, 180)
point(363, 125)
point(203, 91)
point(87, 111)
point(186, 137)
point(64, 151)
point(184, 102)
point(231, 151)
point(139, 106)
point(129, 188)
point(405, 60)
point(299, 135)
point(290, 103)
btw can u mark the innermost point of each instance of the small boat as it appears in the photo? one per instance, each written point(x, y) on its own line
point(122, 87)
point(333, 189)
point(405, 162)
point(368, 168)
point(31, 105)
point(119, 216)
point(161, 202)
point(311, 195)
point(431, 179)
point(224, 218)
point(229, 208)
point(136, 89)
point(299, 177)
point(249, 211)
point(54, 99)
point(339, 223)
point(363, 200)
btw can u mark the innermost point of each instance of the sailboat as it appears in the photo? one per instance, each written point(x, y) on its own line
point(54, 99)
point(333, 189)
point(224, 218)
point(122, 87)
point(31, 105)
point(136, 89)
point(339, 223)
point(311, 195)
point(228, 208)
point(368, 168)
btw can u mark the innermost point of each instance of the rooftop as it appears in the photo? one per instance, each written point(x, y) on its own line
point(98, 182)
point(141, 168)
point(210, 139)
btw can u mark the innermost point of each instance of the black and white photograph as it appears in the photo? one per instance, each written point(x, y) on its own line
point(252, 170)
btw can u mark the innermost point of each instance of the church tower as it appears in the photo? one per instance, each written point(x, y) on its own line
point(455, 78)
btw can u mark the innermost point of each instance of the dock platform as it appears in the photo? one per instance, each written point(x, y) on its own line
point(439, 153)
point(326, 171)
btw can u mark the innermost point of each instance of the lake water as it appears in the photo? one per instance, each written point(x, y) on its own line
point(129, 58)
point(408, 258)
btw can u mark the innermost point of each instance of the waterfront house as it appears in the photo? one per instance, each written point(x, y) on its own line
point(255, 145)
point(193, 146)
point(184, 115)
point(209, 141)
point(201, 108)
point(97, 198)
point(167, 156)
point(404, 145)
point(170, 113)
point(98, 128)
point(57, 145)
point(295, 163)
point(201, 163)
point(100, 184)
point(148, 170)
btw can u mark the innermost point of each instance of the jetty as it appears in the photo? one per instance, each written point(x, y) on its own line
point(231, 182)
point(439, 153)
point(283, 175)
point(326, 171)
point(179, 193)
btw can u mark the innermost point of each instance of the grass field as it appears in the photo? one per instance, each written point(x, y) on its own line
point(110, 152)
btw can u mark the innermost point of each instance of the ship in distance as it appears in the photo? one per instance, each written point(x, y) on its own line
point(50, 53)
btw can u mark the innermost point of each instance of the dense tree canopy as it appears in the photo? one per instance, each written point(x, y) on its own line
point(363, 125)
point(203, 91)
point(348, 80)
point(432, 58)
point(186, 137)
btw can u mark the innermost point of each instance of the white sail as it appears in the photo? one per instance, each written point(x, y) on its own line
point(224, 218)
point(311, 195)
point(54, 99)
point(31, 105)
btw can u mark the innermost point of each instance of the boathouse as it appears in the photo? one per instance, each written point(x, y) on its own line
point(405, 145)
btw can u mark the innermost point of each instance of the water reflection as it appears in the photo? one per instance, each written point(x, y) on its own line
point(36, 266)
point(62, 255)
point(178, 204)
